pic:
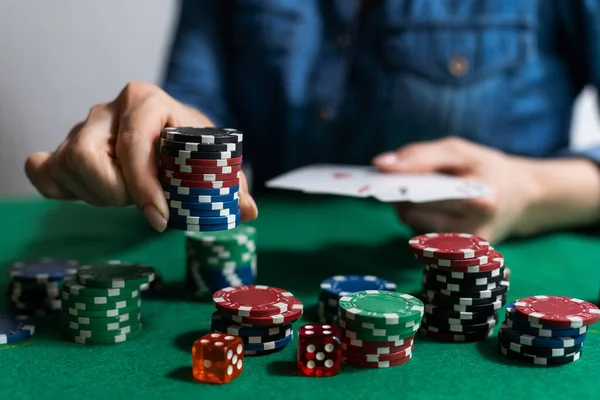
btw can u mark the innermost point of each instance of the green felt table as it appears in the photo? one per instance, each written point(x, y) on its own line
point(301, 240)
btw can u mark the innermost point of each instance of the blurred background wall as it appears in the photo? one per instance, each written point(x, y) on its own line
point(59, 57)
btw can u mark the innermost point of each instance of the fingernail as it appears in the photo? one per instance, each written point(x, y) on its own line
point(154, 217)
point(387, 159)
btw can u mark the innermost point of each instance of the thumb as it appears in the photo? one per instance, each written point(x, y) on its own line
point(446, 155)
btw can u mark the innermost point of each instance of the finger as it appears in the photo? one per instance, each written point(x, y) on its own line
point(446, 155)
point(143, 115)
point(37, 169)
point(248, 207)
point(92, 147)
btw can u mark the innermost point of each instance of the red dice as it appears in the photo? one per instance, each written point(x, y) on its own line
point(217, 358)
point(319, 350)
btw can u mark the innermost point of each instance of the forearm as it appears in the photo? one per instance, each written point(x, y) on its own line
point(565, 193)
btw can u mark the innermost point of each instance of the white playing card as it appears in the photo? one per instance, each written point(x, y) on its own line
point(327, 179)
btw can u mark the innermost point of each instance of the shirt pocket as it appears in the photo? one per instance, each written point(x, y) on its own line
point(454, 52)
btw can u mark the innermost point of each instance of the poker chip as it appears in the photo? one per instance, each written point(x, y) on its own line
point(202, 135)
point(180, 212)
point(460, 278)
point(204, 206)
point(203, 221)
point(558, 311)
point(461, 327)
point(499, 290)
point(348, 346)
point(544, 332)
point(449, 245)
point(377, 335)
point(434, 312)
point(366, 357)
point(456, 337)
point(113, 312)
point(482, 308)
point(222, 325)
point(102, 339)
point(198, 184)
point(465, 289)
point(201, 177)
point(512, 335)
point(495, 262)
point(201, 199)
point(377, 364)
point(115, 274)
point(208, 155)
point(199, 191)
point(43, 270)
point(14, 328)
point(69, 330)
point(104, 322)
point(200, 147)
point(253, 300)
point(202, 228)
point(341, 285)
point(170, 165)
point(266, 346)
point(388, 308)
point(71, 286)
point(541, 351)
point(539, 360)
point(449, 299)
point(293, 313)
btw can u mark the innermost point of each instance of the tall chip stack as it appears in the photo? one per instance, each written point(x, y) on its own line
point(216, 260)
point(261, 315)
point(102, 303)
point(378, 328)
point(463, 284)
point(200, 171)
point(337, 286)
point(34, 286)
point(546, 330)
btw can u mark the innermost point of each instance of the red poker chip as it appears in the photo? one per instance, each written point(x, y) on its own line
point(495, 261)
point(200, 177)
point(469, 262)
point(195, 169)
point(450, 246)
point(203, 162)
point(293, 313)
point(557, 311)
point(377, 364)
point(198, 184)
point(355, 345)
point(370, 357)
point(253, 300)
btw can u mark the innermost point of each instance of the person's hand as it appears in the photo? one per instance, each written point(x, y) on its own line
point(493, 217)
point(110, 158)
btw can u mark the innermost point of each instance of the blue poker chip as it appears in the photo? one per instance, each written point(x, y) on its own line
point(216, 279)
point(203, 213)
point(200, 191)
point(234, 218)
point(544, 332)
point(43, 270)
point(195, 198)
point(201, 228)
point(184, 205)
point(222, 325)
point(507, 334)
point(277, 344)
point(343, 284)
point(15, 328)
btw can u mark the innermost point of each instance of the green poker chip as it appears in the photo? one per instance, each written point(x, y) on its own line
point(98, 306)
point(367, 330)
point(72, 287)
point(380, 307)
point(114, 312)
point(113, 326)
point(97, 333)
point(103, 322)
point(102, 339)
point(115, 274)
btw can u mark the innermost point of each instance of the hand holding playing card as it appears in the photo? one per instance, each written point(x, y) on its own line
point(512, 208)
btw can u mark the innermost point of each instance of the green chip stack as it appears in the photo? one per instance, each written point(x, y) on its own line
point(101, 304)
point(378, 322)
point(216, 260)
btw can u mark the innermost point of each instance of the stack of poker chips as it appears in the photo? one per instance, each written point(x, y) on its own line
point(34, 288)
point(14, 328)
point(464, 285)
point(337, 286)
point(378, 328)
point(546, 330)
point(102, 304)
point(200, 172)
point(261, 315)
point(216, 260)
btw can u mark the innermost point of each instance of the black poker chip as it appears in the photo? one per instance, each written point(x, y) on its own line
point(460, 289)
point(466, 276)
point(489, 308)
point(212, 155)
point(203, 135)
point(442, 298)
point(467, 327)
point(539, 360)
point(434, 276)
point(464, 317)
point(540, 351)
point(191, 146)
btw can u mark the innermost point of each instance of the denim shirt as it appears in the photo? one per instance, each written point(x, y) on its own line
point(320, 81)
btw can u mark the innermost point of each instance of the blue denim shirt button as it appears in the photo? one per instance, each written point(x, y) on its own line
point(458, 66)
